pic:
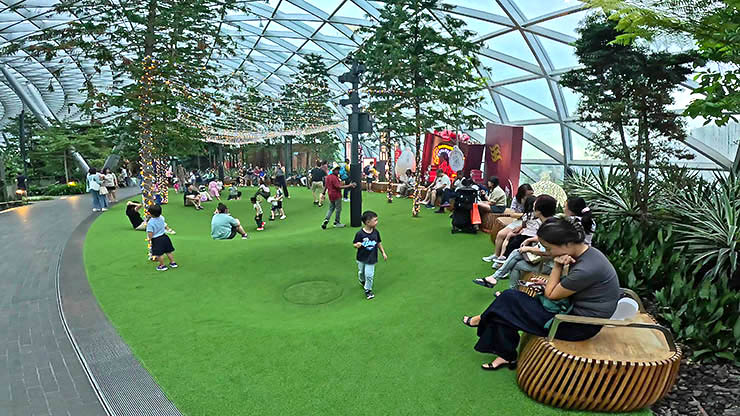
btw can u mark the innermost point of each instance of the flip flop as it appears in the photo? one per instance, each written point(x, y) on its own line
point(483, 282)
point(511, 365)
point(466, 320)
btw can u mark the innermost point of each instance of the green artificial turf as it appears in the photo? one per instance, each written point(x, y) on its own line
point(234, 330)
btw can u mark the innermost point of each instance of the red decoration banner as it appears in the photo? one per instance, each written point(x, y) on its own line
point(503, 154)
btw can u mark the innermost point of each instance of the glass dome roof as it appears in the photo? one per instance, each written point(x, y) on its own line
point(525, 47)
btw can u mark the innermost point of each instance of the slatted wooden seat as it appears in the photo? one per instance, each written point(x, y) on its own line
point(630, 364)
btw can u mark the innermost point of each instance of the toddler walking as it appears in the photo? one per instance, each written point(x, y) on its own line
point(367, 243)
point(257, 213)
point(161, 243)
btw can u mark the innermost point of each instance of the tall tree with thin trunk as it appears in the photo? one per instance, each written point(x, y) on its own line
point(158, 54)
point(626, 97)
point(421, 70)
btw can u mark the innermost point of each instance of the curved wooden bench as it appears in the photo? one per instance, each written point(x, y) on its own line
point(628, 365)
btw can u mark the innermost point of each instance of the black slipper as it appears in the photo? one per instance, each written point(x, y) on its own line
point(466, 320)
point(489, 366)
point(483, 282)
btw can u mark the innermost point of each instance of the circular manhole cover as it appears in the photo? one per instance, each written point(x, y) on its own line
point(315, 292)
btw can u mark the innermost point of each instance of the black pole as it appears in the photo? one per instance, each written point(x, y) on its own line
point(22, 141)
point(355, 171)
point(221, 162)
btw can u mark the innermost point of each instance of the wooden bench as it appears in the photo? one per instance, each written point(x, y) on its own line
point(630, 364)
point(380, 186)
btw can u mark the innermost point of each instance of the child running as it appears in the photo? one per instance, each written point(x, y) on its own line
point(367, 243)
point(277, 205)
point(257, 213)
point(161, 243)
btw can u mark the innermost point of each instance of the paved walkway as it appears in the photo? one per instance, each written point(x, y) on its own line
point(40, 373)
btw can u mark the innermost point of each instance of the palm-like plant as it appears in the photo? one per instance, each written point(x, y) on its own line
point(608, 192)
point(708, 225)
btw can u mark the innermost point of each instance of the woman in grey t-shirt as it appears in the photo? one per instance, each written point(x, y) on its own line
point(591, 286)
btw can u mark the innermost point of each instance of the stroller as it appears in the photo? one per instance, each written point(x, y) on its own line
point(461, 221)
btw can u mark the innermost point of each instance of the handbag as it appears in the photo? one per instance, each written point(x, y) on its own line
point(103, 190)
point(475, 214)
point(532, 258)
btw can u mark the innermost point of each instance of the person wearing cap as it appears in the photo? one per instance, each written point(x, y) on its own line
point(334, 189)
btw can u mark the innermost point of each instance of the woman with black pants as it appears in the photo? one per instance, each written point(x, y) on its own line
point(589, 288)
point(280, 179)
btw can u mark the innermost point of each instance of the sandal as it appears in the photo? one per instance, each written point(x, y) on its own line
point(511, 365)
point(485, 283)
point(466, 320)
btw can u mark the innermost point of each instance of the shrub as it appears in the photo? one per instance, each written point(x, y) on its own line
point(57, 189)
point(706, 317)
point(644, 255)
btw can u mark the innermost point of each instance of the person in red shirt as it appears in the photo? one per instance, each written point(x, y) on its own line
point(334, 189)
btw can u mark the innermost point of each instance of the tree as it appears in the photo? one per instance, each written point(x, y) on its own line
point(712, 25)
point(626, 92)
point(307, 100)
point(159, 54)
point(420, 78)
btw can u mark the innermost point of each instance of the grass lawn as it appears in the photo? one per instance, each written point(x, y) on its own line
point(234, 330)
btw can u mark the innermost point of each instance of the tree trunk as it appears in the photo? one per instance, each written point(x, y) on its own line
point(66, 170)
point(629, 161)
point(146, 139)
point(648, 155)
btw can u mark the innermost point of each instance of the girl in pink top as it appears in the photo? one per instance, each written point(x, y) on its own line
point(214, 189)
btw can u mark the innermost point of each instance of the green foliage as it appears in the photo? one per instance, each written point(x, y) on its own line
point(420, 77)
point(712, 25)
point(76, 188)
point(704, 316)
point(306, 102)
point(682, 253)
point(626, 94)
point(708, 222)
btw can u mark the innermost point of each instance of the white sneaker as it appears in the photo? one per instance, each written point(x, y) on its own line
point(283, 217)
point(489, 259)
point(346, 200)
point(104, 209)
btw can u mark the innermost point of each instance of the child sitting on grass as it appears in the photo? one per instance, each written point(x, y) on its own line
point(367, 243)
point(161, 243)
point(257, 213)
point(234, 193)
point(214, 189)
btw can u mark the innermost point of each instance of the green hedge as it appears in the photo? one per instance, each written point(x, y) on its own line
point(57, 189)
point(703, 314)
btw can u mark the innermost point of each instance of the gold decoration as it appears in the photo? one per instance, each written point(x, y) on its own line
point(496, 153)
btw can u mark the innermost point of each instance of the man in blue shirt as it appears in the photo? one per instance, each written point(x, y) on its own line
point(224, 226)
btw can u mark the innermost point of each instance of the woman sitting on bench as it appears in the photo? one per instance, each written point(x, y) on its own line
point(494, 200)
point(591, 286)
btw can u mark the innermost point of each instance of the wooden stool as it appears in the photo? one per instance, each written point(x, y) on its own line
point(630, 364)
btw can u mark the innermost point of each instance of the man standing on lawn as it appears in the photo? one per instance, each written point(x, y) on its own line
point(334, 189)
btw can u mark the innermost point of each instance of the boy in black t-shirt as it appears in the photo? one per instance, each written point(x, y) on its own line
point(367, 242)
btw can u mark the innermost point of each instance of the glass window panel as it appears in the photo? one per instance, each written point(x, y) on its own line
point(518, 112)
point(512, 44)
point(488, 6)
point(581, 146)
point(571, 100)
point(500, 71)
point(531, 152)
point(536, 90)
point(547, 133)
point(535, 8)
point(351, 10)
point(566, 24)
point(561, 55)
